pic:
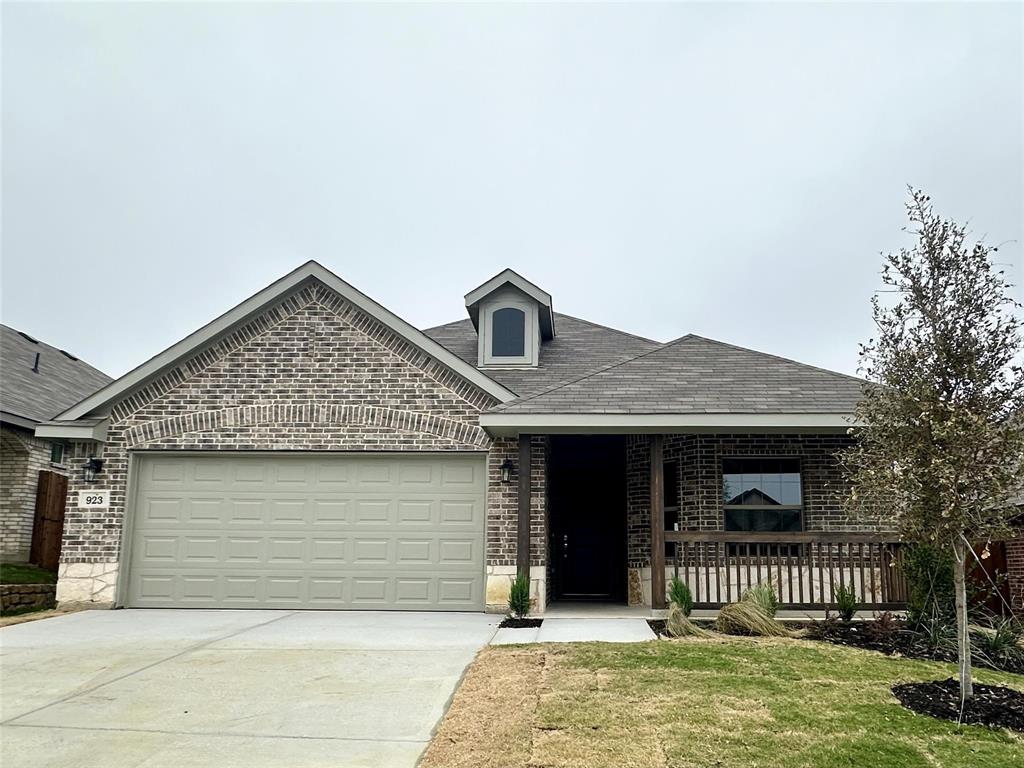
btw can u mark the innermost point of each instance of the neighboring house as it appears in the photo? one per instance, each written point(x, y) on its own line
point(37, 382)
point(311, 449)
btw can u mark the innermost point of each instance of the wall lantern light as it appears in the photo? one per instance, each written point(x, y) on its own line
point(91, 468)
point(506, 471)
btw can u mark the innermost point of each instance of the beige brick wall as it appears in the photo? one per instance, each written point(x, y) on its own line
point(311, 373)
point(22, 457)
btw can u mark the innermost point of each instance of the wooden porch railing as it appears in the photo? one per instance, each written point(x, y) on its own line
point(804, 568)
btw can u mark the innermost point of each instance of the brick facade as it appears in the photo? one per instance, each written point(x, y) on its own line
point(311, 373)
point(699, 459)
point(1015, 571)
point(22, 457)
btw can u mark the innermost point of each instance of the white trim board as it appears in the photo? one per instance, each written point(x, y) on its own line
point(505, 425)
point(255, 304)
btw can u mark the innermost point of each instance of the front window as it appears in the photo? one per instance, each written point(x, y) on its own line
point(762, 495)
point(56, 453)
point(508, 333)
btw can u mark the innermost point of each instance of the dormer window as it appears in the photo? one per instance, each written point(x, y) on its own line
point(508, 332)
point(513, 317)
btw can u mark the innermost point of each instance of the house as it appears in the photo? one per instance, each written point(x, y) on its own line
point(311, 449)
point(37, 382)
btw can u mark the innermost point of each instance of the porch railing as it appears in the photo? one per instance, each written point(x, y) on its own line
point(804, 568)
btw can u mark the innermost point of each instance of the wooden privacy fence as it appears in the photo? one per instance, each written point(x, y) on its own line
point(804, 568)
point(48, 528)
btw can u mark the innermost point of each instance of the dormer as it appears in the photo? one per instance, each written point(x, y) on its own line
point(512, 317)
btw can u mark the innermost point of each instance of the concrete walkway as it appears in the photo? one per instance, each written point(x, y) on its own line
point(560, 630)
point(230, 688)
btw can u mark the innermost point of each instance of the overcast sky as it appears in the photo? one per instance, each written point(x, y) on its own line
point(727, 170)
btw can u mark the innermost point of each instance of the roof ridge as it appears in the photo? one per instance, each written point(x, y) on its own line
point(608, 328)
point(780, 357)
point(585, 376)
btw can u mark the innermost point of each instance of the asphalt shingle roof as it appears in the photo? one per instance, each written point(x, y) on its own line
point(62, 380)
point(697, 375)
point(579, 347)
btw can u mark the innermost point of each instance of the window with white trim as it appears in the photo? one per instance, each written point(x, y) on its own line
point(509, 333)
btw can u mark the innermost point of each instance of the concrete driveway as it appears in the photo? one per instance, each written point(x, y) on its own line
point(230, 688)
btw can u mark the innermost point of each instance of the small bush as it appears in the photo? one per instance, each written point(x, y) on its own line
point(763, 595)
point(679, 625)
point(882, 628)
point(999, 647)
point(938, 635)
point(846, 602)
point(679, 594)
point(519, 597)
point(747, 617)
point(929, 573)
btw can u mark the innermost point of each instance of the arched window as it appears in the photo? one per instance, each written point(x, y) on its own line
point(508, 332)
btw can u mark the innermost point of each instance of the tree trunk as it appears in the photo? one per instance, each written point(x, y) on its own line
point(963, 637)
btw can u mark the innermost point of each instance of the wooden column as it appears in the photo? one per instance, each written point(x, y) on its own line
point(657, 521)
point(523, 537)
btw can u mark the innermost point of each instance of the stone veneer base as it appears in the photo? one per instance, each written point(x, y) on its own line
point(499, 584)
point(93, 584)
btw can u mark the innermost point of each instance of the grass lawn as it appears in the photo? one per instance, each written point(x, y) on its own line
point(11, 573)
point(718, 702)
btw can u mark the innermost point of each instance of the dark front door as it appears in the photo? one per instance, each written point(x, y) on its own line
point(588, 517)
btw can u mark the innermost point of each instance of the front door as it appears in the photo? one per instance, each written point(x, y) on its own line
point(588, 516)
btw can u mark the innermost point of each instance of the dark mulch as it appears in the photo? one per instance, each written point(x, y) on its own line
point(512, 623)
point(992, 705)
point(893, 636)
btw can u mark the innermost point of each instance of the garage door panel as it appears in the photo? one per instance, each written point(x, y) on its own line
point(325, 532)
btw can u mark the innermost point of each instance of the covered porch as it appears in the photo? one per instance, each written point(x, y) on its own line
point(608, 517)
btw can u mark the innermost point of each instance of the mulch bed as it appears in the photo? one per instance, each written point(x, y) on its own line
point(512, 623)
point(890, 637)
point(992, 705)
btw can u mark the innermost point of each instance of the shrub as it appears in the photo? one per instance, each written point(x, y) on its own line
point(846, 602)
point(929, 573)
point(679, 594)
point(747, 617)
point(763, 595)
point(882, 628)
point(519, 597)
point(679, 625)
point(999, 647)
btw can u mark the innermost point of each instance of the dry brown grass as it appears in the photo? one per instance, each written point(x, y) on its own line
point(489, 724)
point(21, 618)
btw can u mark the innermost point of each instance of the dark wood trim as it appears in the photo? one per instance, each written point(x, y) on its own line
point(657, 521)
point(742, 537)
point(523, 532)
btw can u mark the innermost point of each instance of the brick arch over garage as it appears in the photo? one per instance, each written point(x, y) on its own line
point(458, 432)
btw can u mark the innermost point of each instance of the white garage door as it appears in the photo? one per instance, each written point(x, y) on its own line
point(308, 531)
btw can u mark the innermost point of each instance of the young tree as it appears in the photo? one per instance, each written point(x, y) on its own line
point(940, 439)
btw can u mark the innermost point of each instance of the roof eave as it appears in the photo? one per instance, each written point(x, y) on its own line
point(513, 278)
point(90, 430)
point(511, 424)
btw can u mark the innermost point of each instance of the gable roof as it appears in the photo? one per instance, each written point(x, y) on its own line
point(513, 278)
point(252, 306)
point(28, 396)
point(694, 375)
point(580, 348)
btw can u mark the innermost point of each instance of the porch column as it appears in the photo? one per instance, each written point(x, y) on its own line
point(523, 537)
point(657, 522)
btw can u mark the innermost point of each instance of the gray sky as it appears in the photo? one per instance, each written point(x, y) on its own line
point(727, 170)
